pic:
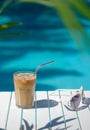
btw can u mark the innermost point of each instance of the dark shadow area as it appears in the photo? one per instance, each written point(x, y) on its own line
point(27, 126)
point(45, 103)
point(86, 101)
point(56, 122)
point(82, 107)
point(79, 108)
point(2, 129)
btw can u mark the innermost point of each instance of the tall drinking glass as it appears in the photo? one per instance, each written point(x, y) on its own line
point(24, 84)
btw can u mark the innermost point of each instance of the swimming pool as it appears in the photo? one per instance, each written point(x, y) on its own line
point(48, 40)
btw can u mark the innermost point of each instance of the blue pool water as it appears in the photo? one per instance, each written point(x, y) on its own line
point(47, 40)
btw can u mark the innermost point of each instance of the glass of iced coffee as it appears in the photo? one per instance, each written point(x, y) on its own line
point(24, 84)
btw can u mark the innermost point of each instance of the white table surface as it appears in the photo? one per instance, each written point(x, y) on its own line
point(48, 112)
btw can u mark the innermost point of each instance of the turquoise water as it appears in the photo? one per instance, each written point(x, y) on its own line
point(48, 40)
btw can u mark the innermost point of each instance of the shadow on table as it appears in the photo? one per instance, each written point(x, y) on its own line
point(27, 126)
point(45, 103)
point(87, 101)
point(56, 122)
point(82, 107)
point(52, 123)
point(86, 104)
point(79, 109)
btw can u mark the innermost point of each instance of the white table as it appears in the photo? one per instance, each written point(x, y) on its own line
point(48, 113)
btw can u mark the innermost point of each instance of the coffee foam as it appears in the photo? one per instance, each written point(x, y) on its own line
point(25, 76)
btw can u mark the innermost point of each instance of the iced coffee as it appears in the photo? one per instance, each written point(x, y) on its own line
point(24, 83)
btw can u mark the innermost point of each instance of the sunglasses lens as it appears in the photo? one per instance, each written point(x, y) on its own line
point(75, 101)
